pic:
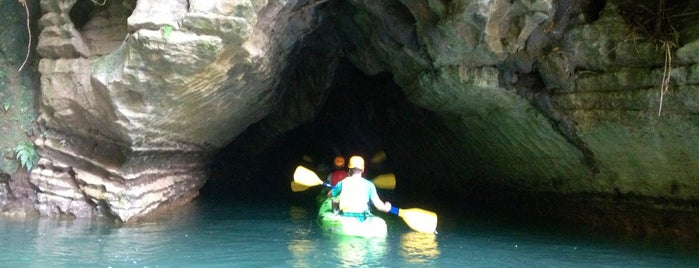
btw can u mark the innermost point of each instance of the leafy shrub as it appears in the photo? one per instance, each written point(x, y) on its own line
point(26, 154)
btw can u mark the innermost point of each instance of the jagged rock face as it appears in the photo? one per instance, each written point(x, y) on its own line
point(539, 96)
point(136, 99)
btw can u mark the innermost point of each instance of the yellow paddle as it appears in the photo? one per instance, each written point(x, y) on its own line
point(305, 178)
point(385, 181)
point(297, 187)
point(420, 220)
point(378, 157)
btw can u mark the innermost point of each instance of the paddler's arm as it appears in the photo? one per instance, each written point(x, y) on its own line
point(380, 205)
point(335, 191)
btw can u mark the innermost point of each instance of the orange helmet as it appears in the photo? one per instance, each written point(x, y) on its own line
point(339, 161)
point(356, 162)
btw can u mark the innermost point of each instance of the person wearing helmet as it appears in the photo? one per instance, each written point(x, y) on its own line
point(355, 192)
point(340, 173)
point(334, 178)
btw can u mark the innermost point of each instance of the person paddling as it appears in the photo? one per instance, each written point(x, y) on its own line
point(340, 173)
point(355, 192)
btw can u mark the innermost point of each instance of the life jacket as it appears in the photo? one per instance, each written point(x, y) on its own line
point(354, 197)
point(337, 176)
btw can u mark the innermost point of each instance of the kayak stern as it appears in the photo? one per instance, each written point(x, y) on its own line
point(373, 226)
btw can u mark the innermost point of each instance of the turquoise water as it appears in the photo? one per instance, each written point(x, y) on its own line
point(276, 234)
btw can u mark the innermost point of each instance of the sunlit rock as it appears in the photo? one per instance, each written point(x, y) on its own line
point(132, 126)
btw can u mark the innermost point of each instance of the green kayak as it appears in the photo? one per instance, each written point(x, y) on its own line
point(372, 226)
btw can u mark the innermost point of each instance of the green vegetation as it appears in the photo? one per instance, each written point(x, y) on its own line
point(167, 29)
point(26, 154)
point(17, 90)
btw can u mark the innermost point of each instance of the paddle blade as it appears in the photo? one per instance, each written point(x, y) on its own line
point(385, 181)
point(306, 177)
point(420, 220)
point(307, 158)
point(378, 157)
point(297, 187)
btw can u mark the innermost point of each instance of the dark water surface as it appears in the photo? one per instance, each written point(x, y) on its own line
point(211, 233)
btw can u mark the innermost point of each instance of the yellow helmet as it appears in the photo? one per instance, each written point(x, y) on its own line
point(339, 161)
point(356, 162)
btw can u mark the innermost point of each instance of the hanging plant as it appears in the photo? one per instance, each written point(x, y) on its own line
point(26, 154)
point(29, 34)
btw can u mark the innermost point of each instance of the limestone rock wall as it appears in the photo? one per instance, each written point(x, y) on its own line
point(136, 98)
point(542, 96)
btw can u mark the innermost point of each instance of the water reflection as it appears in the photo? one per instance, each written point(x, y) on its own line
point(419, 247)
point(302, 250)
point(103, 242)
point(358, 251)
point(297, 213)
point(301, 244)
point(94, 242)
point(53, 235)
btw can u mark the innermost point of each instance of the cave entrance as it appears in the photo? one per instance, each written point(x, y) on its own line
point(359, 114)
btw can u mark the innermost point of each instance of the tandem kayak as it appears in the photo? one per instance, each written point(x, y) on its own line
point(372, 226)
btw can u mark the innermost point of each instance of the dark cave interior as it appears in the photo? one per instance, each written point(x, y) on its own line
point(352, 121)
